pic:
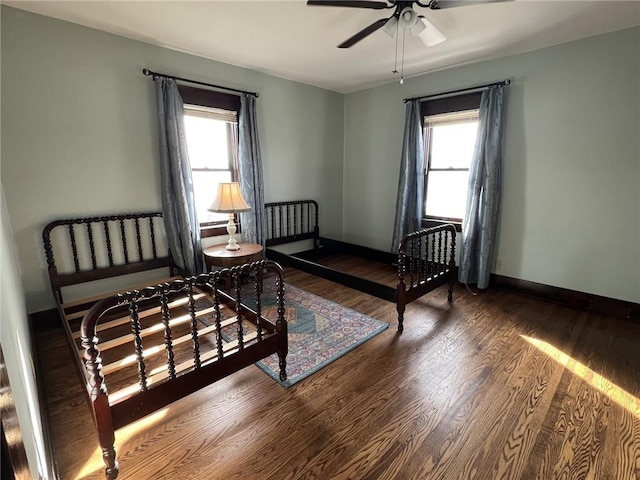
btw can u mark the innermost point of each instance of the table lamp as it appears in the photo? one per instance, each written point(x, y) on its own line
point(229, 200)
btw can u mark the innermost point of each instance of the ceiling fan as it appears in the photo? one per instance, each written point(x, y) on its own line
point(404, 16)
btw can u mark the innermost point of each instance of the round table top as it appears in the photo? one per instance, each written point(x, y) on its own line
point(245, 250)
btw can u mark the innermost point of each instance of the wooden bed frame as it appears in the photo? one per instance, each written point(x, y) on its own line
point(154, 344)
point(426, 258)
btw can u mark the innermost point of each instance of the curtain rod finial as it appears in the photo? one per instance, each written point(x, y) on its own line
point(148, 73)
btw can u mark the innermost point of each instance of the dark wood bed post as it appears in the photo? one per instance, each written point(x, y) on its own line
point(401, 290)
point(53, 271)
point(281, 326)
point(316, 232)
point(96, 387)
point(452, 266)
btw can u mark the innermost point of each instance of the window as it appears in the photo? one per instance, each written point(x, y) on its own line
point(211, 131)
point(211, 153)
point(450, 147)
point(450, 128)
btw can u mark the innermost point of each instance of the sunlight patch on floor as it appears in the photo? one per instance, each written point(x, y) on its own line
point(123, 434)
point(610, 389)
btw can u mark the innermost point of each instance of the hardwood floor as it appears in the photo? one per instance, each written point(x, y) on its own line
point(492, 386)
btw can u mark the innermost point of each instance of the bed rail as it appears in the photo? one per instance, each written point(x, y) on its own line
point(292, 221)
point(425, 258)
point(106, 246)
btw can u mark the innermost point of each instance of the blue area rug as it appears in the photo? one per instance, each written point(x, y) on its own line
point(320, 332)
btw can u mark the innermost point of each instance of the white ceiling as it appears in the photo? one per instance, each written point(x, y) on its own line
point(291, 40)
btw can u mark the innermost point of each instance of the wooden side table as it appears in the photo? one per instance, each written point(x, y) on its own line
point(219, 256)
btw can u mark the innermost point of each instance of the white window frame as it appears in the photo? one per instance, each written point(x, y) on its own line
point(452, 118)
point(230, 118)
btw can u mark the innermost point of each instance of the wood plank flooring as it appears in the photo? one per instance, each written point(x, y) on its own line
point(494, 386)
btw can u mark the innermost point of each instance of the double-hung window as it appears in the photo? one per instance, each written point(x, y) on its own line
point(211, 129)
point(450, 129)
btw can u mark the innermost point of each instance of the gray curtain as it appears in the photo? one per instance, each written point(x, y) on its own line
point(483, 197)
point(411, 181)
point(250, 170)
point(178, 204)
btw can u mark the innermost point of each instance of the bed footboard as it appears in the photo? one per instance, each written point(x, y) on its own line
point(426, 260)
point(158, 344)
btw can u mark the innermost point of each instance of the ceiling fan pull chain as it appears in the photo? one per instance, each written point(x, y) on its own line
point(402, 61)
point(395, 61)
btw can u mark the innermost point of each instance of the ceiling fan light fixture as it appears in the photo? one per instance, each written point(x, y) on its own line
point(430, 35)
point(408, 18)
point(391, 27)
point(418, 28)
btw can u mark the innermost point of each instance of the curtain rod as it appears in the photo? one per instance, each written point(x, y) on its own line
point(146, 72)
point(462, 90)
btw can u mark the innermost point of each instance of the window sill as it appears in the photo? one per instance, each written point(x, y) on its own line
point(212, 230)
point(207, 231)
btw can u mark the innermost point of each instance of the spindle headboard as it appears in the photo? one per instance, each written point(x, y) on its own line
point(292, 221)
point(100, 247)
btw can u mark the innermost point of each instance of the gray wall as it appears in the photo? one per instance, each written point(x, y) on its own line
point(79, 131)
point(571, 196)
point(79, 137)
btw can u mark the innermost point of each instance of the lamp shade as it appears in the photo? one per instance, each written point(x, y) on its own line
point(229, 199)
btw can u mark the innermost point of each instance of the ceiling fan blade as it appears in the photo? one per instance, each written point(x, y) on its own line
point(440, 4)
point(352, 4)
point(363, 33)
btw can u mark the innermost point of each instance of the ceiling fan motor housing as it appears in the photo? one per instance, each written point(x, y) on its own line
point(408, 18)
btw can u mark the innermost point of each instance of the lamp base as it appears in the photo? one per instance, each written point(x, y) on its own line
point(232, 246)
point(231, 230)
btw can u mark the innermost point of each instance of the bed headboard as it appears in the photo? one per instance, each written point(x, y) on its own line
point(92, 248)
point(292, 221)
